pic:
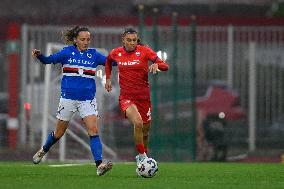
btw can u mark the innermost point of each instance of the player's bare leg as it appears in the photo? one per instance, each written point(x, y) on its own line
point(146, 129)
point(60, 128)
point(91, 123)
point(135, 118)
point(52, 138)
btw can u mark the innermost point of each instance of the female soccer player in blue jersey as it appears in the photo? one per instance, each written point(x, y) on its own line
point(78, 89)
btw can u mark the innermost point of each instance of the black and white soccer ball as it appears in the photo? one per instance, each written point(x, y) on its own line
point(147, 168)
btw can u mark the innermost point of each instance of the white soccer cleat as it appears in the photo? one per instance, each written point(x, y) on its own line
point(139, 159)
point(38, 156)
point(137, 171)
point(103, 168)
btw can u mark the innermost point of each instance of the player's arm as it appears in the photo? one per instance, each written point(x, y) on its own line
point(108, 69)
point(102, 60)
point(54, 58)
point(158, 64)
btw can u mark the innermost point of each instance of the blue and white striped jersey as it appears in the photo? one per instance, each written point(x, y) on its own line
point(79, 71)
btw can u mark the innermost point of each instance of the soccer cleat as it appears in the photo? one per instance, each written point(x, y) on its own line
point(139, 159)
point(38, 156)
point(137, 172)
point(103, 168)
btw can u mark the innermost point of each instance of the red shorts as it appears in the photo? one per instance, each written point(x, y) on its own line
point(143, 106)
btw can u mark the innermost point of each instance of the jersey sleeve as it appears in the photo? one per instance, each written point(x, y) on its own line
point(153, 57)
point(101, 59)
point(54, 58)
point(108, 65)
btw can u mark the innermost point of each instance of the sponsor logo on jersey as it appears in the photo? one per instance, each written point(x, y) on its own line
point(80, 61)
point(129, 63)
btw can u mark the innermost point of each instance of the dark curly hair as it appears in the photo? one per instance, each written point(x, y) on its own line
point(130, 30)
point(70, 34)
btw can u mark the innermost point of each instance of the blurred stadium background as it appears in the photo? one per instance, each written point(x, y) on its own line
point(221, 100)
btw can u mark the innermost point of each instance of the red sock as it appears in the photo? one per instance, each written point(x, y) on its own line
point(146, 150)
point(140, 148)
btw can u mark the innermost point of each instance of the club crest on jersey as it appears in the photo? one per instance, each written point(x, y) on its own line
point(89, 55)
point(73, 53)
point(81, 71)
point(119, 54)
point(137, 53)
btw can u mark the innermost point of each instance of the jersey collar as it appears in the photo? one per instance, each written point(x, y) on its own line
point(129, 51)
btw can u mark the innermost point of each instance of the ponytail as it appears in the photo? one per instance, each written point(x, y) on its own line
point(70, 34)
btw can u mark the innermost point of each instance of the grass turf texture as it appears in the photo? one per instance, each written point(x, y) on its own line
point(170, 175)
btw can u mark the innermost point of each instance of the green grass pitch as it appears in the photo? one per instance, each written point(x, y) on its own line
point(123, 176)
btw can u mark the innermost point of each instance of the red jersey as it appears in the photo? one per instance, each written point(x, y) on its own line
point(133, 70)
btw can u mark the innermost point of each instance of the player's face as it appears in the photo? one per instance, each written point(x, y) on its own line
point(130, 41)
point(83, 40)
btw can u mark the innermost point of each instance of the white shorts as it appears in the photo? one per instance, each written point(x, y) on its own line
point(68, 107)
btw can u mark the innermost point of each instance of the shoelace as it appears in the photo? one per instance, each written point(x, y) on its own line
point(104, 167)
point(40, 153)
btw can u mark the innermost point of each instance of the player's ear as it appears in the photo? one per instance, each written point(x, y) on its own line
point(122, 39)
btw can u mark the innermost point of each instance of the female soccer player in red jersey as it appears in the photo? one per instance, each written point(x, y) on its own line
point(134, 100)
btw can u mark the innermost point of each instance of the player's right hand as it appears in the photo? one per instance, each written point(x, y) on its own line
point(108, 86)
point(35, 52)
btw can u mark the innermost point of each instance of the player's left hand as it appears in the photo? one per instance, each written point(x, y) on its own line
point(153, 68)
point(108, 86)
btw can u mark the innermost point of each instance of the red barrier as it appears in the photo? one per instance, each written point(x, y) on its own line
point(13, 72)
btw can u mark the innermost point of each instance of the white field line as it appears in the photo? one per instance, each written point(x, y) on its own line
point(68, 165)
point(80, 164)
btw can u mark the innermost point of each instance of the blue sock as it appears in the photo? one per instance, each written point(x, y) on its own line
point(96, 148)
point(49, 141)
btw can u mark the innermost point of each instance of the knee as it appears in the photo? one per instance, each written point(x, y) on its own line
point(58, 135)
point(138, 122)
point(93, 130)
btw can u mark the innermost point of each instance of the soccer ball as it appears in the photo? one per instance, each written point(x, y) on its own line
point(147, 168)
